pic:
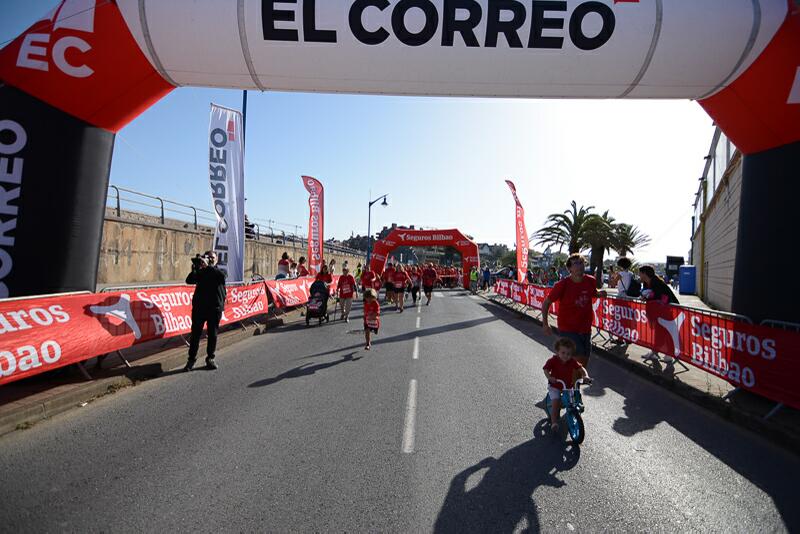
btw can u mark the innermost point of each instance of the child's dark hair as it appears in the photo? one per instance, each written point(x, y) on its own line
point(566, 343)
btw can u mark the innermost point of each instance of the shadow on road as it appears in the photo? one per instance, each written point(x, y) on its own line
point(303, 370)
point(773, 473)
point(502, 499)
point(409, 336)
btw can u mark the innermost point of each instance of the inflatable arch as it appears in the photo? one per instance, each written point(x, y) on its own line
point(91, 66)
point(403, 237)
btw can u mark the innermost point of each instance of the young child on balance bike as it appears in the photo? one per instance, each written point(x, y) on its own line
point(564, 369)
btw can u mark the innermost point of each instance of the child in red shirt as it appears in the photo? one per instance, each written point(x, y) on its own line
point(562, 366)
point(372, 316)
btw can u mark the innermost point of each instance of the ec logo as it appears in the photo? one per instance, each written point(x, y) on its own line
point(72, 15)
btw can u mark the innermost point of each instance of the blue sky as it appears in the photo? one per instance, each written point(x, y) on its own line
point(443, 161)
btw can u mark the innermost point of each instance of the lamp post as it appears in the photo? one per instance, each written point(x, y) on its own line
point(369, 224)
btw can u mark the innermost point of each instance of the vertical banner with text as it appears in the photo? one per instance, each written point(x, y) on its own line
point(226, 177)
point(316, 223)
point(522, 236)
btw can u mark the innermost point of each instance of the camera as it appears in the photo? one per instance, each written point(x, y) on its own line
point(199, 261)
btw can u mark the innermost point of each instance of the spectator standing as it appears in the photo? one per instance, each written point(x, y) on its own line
point(293, 270)
point(656, 289)
point(332, 266)
point(575, 315)
point(487, 277)
point(346, 291)
point(207, 305)
point(624, 277)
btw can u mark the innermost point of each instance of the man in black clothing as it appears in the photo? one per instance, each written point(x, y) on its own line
point(207, 305)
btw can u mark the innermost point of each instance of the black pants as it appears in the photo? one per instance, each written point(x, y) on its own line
point(414, 291)
point(199, 318)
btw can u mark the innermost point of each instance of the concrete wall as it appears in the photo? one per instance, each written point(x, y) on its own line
point(716, 254)
point(137, 248)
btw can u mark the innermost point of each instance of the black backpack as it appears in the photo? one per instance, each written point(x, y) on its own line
point(636, 287)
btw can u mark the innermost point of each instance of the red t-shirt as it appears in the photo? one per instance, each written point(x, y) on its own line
point(347, 286)
point(575, 304)
point(562, 370)
point(302, 271)
point(325, 277)
point(388, 274)
point(429, 276)
point(400, 278)
point(368, 279)
point(372, 314)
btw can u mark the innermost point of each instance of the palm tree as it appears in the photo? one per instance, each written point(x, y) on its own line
point(600, 235)
point(627, 237)
point(567, 228)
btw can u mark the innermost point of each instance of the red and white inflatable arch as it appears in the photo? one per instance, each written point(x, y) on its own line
point(403, 237)
point(90, 67)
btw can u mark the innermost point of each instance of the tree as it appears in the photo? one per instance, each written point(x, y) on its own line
point(599, 232)
point(566, 229)
point(627, 237)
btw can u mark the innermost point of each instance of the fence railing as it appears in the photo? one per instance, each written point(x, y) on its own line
point(264, 230)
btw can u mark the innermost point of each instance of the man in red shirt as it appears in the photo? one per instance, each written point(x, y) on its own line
point(574, 295)
point(429, 278)
point(347, 287)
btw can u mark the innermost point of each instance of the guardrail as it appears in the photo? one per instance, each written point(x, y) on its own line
point(163, 208)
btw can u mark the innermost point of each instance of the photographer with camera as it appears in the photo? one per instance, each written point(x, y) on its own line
point(207, 305)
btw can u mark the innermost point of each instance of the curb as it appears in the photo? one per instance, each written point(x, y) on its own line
point(780, 435)
point(24, 416)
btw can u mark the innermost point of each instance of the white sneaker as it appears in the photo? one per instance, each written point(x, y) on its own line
point(650, 356)
point(668, 359)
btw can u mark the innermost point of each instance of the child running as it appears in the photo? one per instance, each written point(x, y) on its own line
point(562, 366)
point(372, 316)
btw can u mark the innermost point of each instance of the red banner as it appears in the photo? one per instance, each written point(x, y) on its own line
point(294, 292)
point(757, 358)
point(42, 334)
point(316, 223)
point(522, 237)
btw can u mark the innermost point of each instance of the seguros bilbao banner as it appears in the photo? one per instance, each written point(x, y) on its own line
point(752, 357)
point(42, 334)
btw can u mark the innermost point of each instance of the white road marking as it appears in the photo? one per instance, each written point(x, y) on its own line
point(411, 419)
point(475, 297)
point(438, 295)
point(415, 355)
point(418, 318)
point(419, 306)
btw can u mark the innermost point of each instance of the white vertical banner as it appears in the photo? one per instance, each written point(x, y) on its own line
point(226, 177)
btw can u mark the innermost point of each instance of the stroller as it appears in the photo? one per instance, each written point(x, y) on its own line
point(317, 307)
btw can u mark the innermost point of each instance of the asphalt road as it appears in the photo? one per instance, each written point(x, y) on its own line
point(303, 430)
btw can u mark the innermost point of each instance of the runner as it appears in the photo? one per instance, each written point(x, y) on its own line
point(368, 279)
point(372, 316)
point(574, 295)
point(429, 278)
point(400, 280)
point(388, 283)
point(346, 290)
point(416, 282)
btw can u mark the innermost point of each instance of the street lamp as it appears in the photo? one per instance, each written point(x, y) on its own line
point(369, 224)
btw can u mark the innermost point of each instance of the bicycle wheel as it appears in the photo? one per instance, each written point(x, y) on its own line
point(575, 426)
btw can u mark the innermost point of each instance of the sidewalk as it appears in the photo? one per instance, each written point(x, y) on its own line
point(691, 383)
point(28, 401)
